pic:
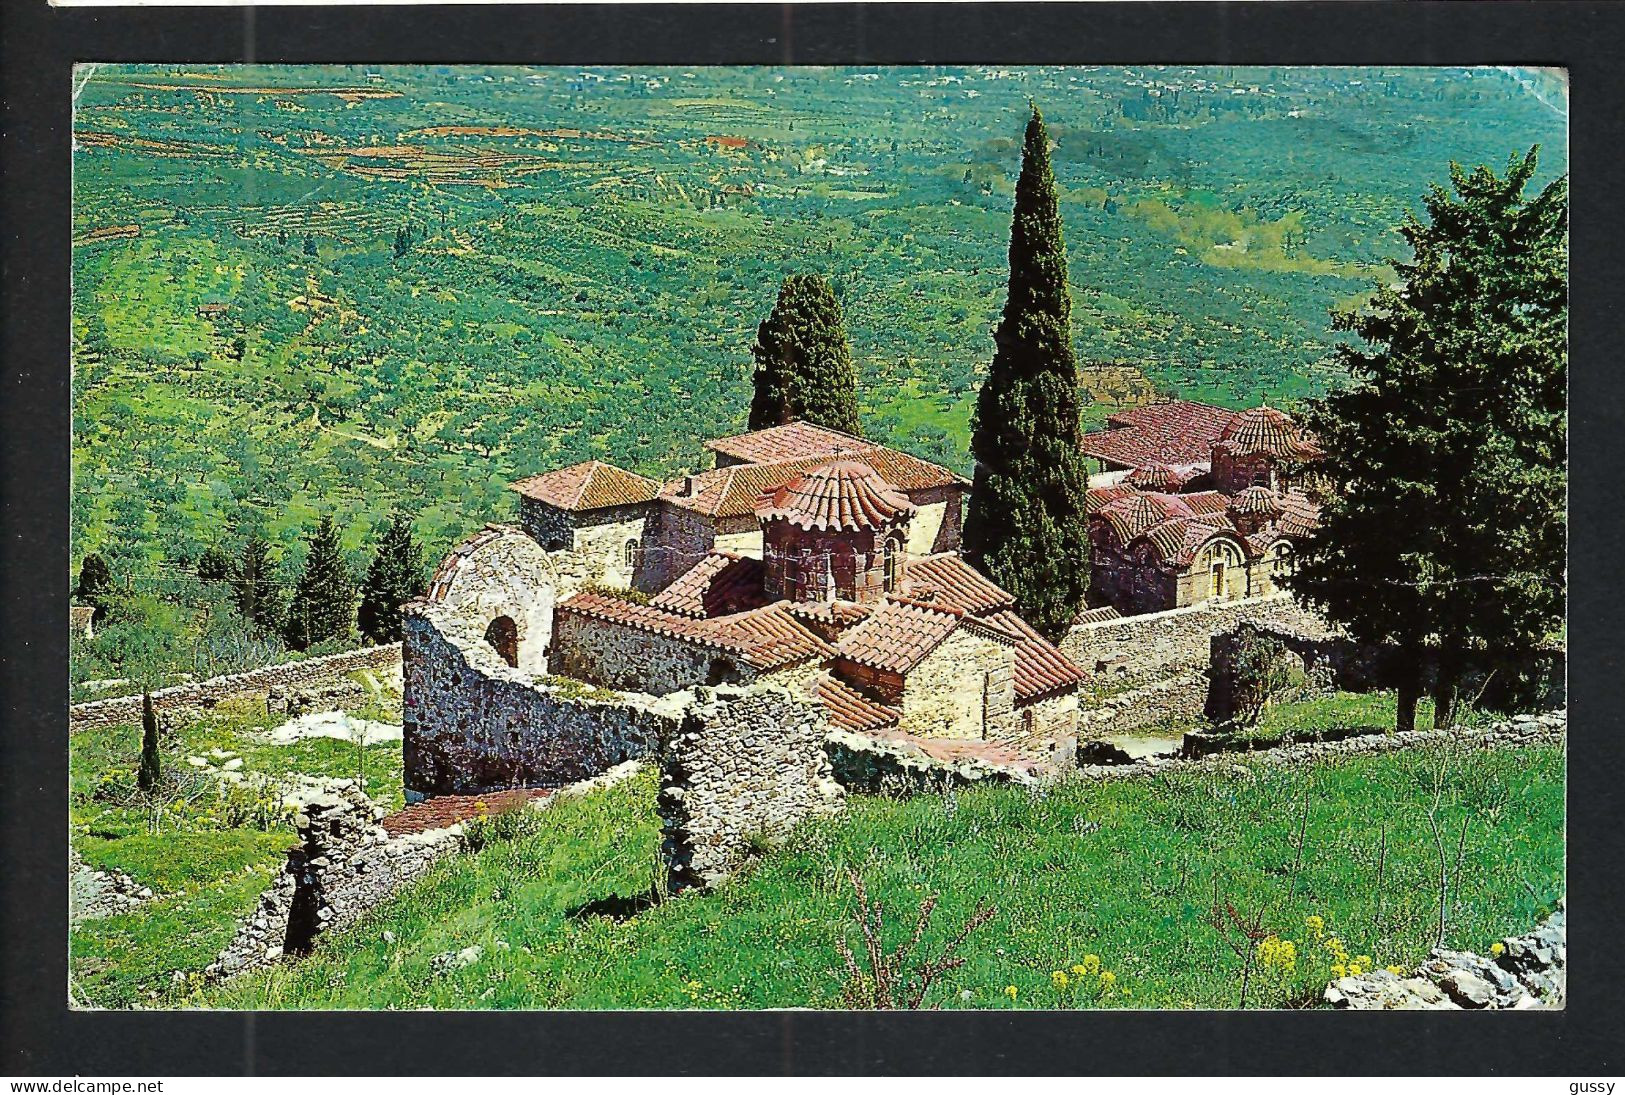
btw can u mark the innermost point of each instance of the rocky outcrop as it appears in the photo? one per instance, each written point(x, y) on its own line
point(1522, 972)
point(93, 894)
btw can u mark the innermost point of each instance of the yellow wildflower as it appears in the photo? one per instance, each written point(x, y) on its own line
point(1497, 949)
point(1108, 978)
point(1397, 971)
point(1060, 978)
point(1339, 970)
point(1091, 963)
point(1080, 971)
point(1317, 925)
point(1010, 991)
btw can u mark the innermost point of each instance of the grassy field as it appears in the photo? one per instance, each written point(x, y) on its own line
point(206, 847)
point(1086, 879)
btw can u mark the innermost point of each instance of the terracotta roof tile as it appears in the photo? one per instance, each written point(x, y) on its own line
point(791, 441)
point(851, 709)
point(1096, 615)
point(841, 494)
point(1177, 432)
point(1300, 516)
point(897, 635)
point(948, 580)
point(735, 490)
point(443, 811)
point(1041, 668)
point(766, 637)
point(720, 584)
point(1267, 430)
point(591, 484)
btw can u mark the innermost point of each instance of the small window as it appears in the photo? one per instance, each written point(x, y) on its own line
point(503, 635)
point(892, 556)
point(631, 553)
point(1217, 574)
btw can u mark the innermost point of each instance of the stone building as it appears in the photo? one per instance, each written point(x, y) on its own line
point(805, 558)
point(1195, 503)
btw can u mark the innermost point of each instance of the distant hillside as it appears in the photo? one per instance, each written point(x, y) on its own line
point(309, 288)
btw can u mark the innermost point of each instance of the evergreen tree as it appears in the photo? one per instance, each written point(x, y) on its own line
point(146, 776)
point(394, 577)
point(310, 245)
point(803, 366)
point(1444, 534)
point(214, 565)
point(95, 586)
point(259, 598)
point(1026, 527)
point(323, 605)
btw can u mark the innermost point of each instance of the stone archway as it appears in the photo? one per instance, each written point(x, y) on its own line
point(503, 635)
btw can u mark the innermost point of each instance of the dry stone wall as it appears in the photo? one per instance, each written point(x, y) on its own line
point(741, 770)
point(472, 723)
point(311, 674)
point(1160, 644)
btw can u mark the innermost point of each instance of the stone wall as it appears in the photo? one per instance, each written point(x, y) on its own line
point(739, 772)
point(881, 766)
point(474, 724)
point(502, 572)
point(311, 673)
point(962, 689)
point(613, 655)
point(1160, 644)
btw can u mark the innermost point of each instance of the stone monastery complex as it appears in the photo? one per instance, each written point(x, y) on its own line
point(829, 566)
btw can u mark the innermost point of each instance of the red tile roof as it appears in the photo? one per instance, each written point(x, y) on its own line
point(591, 484)
point(791, 441)
point(850, 709)
point(841, 495)
point(720, 584)
point(1300, 516)
point(766, 637)
point(1099, 615)
point(1177, 541)
point(1267, 430)
point(733, 491)
point(1256, 500)
point(948, 580)
point(897, 635)
point(1041, 669)
point(1177, 432)
point(443, 811)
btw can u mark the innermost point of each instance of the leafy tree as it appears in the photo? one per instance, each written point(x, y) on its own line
point(803, 366)
point(1445, 530)
point(394, 577)
point(215, 565)
point(1026, 526)
point(310, 245)
point(146, 777)
point(95, 583)
point(323, 605)
point(259, 597)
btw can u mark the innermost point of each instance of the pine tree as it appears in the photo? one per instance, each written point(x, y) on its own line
point(1444, 535)
point(95, 586)
point(803, 366)
point(323, 605)
point(259, 597)
point(394, 577)
point(146, 776)
point(310, 245)
point(1026, 527)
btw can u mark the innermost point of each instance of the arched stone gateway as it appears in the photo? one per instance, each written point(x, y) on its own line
point(503, 635)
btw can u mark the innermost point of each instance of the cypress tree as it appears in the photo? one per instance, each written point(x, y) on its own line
point(323, 605)
point(1026, 526)
point(803, 365)
point(146, 777)
point(394, 576)
point(259, 598)
point(1444, 533)
point(95, 586)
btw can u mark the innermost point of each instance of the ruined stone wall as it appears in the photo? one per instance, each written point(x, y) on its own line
point(549, 526)
point(612, 655)
point(503, 572)
point(739, 772)
point(965, 683)
point(866, 764)
point(475, 724)
point(937, 522)
point(311, 673)
point(1046, 728)
point(1164, 643)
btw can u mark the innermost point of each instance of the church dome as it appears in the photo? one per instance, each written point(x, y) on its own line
point(1266, 430)
point(1155, 477)
point(842, 495)
point(1259, 501)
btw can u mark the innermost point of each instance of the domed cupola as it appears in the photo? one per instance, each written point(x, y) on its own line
point(1254, 508)
point(836, 531)
point(1155, 477)
point(1252, 449)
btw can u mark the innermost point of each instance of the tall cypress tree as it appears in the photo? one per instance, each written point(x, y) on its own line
point(259, 598)
point(95, 586)
point(394, 577)
point(1445, 534)
point(323, 605)
point(803, 365)
point(1026, 527)
point(146, 777)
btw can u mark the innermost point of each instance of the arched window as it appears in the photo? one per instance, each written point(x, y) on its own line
point(631, 555)
point(893, 556)
point(720, 671)
point(1281, 560)
point(503, 635)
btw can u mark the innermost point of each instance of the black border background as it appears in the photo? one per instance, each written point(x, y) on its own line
point(40, 1037)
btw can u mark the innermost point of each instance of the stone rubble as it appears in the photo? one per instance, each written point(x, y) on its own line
point(1526, 972)
point(93, 894)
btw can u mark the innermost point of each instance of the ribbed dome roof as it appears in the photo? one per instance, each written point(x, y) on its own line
point(1256, 500)
point(842, 495)
point(1266, 430)
point(1154, 477)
